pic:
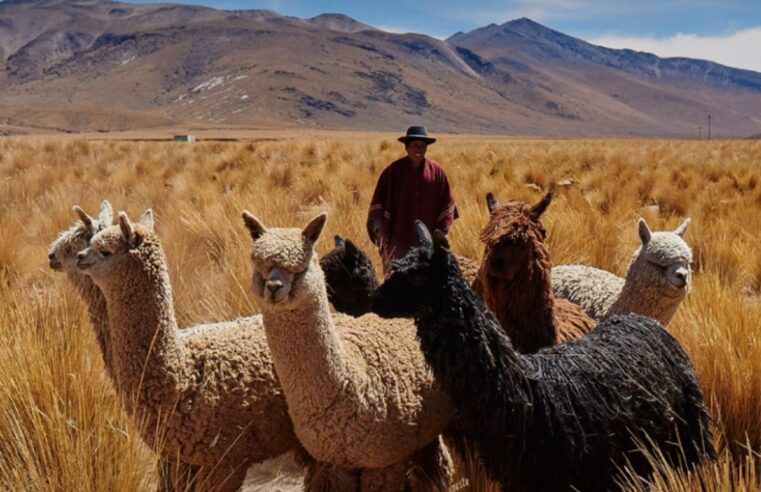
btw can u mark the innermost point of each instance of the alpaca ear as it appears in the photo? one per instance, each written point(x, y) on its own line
point(537, 210)
point(146, 220)
point(126, 226)
point(254, 225)
point(440, 240)
point(340, 242)
point(106, 214)
point(682, 229)
point(86, 219)
point(423, 235)
point(313, 229)
point(644, 231)
point(351, 249)
point(492, 203)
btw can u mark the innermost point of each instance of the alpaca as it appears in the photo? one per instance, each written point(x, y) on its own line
point(62, 257)
point(567, 417)
point(515, 282)
point(657, 279)
point(359, 392)
point(350, 277)
point(209, 399)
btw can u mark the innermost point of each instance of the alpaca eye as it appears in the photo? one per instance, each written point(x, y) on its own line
point(105, 254)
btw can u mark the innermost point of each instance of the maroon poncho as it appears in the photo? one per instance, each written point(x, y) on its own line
point(405, 193)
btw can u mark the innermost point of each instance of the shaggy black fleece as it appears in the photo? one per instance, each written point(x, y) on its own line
point(566, 417)
point(350, 278)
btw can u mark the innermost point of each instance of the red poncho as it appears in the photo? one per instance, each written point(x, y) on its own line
point(405, 193)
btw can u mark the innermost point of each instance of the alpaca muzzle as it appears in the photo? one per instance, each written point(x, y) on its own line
point(54, 263)
point(679, 276)
point(276, 287)
point(83, 263)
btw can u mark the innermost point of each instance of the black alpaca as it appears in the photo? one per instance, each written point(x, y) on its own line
point(565, 418)
point(350, 278)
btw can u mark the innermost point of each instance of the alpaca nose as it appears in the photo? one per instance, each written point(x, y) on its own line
point(81, 255)
point(274, 285)
point(51, 256)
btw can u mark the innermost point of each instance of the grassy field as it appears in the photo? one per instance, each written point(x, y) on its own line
point(61, 427)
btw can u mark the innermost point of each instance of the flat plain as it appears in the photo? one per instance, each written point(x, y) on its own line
point(61, 426)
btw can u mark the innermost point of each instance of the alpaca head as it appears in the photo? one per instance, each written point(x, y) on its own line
point(664, 258)
point(416, 280)
point(513, 237)
point(112, 245)
point(350, 277)
point(62, 253)
point(283, 260)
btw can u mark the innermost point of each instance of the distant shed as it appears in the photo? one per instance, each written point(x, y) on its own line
point(184, 138)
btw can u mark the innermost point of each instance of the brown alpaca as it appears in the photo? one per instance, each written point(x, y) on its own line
point(515, 278)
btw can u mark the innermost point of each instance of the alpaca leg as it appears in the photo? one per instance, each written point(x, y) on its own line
point(431, 468)
point(391, 478)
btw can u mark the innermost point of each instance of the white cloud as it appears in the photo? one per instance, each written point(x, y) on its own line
point(739, 49)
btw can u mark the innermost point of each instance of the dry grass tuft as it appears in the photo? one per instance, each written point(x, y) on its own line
point(61, 427)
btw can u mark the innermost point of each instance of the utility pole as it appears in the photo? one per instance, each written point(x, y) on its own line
point(709, 127)
point(700, 132)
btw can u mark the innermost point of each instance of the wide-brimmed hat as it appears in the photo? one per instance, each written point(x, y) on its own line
point(416, 133)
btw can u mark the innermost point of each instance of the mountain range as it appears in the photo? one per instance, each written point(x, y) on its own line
point(92, 65)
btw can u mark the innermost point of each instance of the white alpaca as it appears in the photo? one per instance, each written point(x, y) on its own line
point(656, 282)
point(359, 392)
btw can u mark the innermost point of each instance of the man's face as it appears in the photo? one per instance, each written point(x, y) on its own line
point(416, 150)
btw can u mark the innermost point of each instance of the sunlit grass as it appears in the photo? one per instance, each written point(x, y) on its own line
point(61, 427)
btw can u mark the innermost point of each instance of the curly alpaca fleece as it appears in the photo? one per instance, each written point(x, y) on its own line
point(567, 417)
point(515, 282)
point(657, 280)
point(351, 280)
point(359, 392)
point(210, 399)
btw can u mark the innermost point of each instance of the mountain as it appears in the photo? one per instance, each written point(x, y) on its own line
point(655, 95)
point(85, 65)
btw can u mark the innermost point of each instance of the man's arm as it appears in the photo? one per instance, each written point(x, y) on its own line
point(374, 222)
point(447, 208)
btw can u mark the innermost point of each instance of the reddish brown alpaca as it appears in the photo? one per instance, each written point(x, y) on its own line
point(515, 278)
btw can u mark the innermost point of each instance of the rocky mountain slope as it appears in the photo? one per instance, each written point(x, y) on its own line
point(84, 65)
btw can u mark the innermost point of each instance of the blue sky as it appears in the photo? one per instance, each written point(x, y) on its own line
point(728, 32)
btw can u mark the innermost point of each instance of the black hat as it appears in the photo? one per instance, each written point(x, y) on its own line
point(416, 133)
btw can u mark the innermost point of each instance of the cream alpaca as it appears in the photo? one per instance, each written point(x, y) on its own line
point(657, 279)
point(210, 398)
point(359, 392)
point(62, 257)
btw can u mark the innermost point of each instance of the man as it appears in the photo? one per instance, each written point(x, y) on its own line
point(410, 188)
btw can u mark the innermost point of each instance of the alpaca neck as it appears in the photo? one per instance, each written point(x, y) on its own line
point(524, 308)
point(306, 349)
point(144, 342)
point(469, 353)
point(640, 296)
point(97, 312)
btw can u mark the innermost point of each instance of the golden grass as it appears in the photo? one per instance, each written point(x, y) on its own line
point(61, 427)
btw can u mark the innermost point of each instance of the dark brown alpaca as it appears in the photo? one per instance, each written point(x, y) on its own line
point(515, 278)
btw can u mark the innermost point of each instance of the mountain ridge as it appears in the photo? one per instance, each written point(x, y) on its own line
point(196, 66)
